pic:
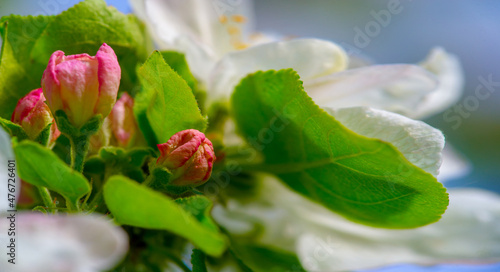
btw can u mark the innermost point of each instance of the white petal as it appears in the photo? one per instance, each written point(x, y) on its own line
point(311, 58)
point(449, 72)
point(171, 31)
point(398, 88)
point(420, 143)
point(6, 154)
point(61, 243)
point(467, 233)
point(195, 28)
point(454, 165)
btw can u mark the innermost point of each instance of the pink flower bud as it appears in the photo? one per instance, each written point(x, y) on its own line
point(101, 138)
point(81, 85)
point(34, 115)
point(189, 156)
point(123, 124)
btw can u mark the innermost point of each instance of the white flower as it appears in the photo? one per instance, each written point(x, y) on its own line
point(62, 243)
point(374, 101)
point(221, 49)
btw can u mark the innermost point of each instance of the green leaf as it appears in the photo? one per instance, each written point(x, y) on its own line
point(198, 261)
point(119, 160)
point(177, 61)
point(198, 206)
point(18, 73)
point(366, 180)
point(140, 206)
point(29, 41)
point(13, 129)
point(264, 258)
point(166, 104)
point(40, 166)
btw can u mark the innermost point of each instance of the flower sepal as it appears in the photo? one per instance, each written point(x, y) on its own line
point(161, 179)
point(91, 127)
point(13, 129)
point(44, 137)
point(79, 137)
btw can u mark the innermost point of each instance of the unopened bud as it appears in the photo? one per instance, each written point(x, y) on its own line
point(189, 156)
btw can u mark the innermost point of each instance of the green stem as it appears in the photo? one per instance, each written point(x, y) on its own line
point(149, 180)
point(72, 207)
point(97, 201)
point(46, 198)
point(79, 148)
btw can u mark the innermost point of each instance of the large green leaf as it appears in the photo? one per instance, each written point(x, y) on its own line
point(137, 205)
point(38, 165)
point(166, 104)
point(366, 180)
point(29, 41)
point(18, 73)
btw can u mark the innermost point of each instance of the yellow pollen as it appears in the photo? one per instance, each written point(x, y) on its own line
point(233, 30)
point(223, 19)
point(238, 18)
point(240, 45)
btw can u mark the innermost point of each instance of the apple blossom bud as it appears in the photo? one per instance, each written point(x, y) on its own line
point(189, 156)
point(82, 85)
point(122, 119)
point(101, 138)
point(34, 115)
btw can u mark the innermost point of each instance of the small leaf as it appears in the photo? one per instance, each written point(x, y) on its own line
point(137, 205)
point(166, 104)
point(119, 160)
point(177, 61)
point(13, 129)
point(366, 180)
point(40, 166)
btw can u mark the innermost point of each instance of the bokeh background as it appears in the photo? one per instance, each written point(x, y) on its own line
point(470, 29)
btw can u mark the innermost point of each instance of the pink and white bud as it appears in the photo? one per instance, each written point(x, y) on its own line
point(189, 156)
point(33, 115)
point(122, 119)
point(82, 85)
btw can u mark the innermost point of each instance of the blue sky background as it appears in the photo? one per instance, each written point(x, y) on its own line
point(469, 29)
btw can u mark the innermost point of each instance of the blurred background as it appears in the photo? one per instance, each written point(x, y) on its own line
point(469, 29)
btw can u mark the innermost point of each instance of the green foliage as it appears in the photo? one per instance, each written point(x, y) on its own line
point(118, 160)
point(136, 205)
point(29, 41)
point(166, 104)
point(198, 261)
point(40, 166)
point(13, 129)
point(177, 61)
point(366, 180)
point(260, 258)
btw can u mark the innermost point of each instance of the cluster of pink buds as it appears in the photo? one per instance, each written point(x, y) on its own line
point(83, 87)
